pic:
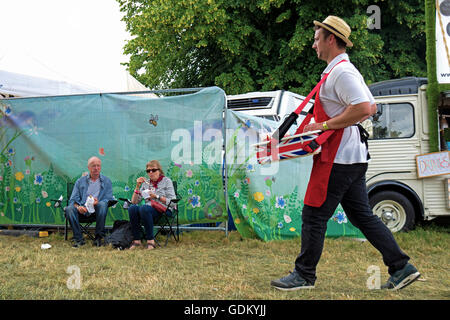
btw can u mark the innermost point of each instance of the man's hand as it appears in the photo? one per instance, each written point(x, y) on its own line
point(95, 201)
point(82, 210)
point(313, 127)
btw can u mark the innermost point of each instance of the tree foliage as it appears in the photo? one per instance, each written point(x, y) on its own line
point(259, 45)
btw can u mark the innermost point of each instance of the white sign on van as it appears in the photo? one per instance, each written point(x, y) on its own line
point(433, 164)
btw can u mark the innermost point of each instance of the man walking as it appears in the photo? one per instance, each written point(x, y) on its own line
point(338, 174)
point(98, 187)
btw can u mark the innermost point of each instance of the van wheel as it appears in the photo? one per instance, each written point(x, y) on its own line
point(394, 210)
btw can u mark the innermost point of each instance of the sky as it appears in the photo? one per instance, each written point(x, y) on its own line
point(80, 41)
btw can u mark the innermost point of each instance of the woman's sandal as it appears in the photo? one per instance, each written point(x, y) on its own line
point(151, 246)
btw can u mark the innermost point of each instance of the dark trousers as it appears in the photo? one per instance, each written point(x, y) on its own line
point(347, 185)
point(146, 215)
point(101, 210)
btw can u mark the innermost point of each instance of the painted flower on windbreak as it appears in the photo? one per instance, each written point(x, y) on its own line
point(7, 188)
point(258, 196)
point(190, 191)
point(15, 200)
point(250, 167)
point(189, 173)
point(34, 130)
point(11, 151)
point(280, 225)
point(28, 160)
point(287, 218)
point(127, 188)
point(1, 178)
point(236, 194)
point(27, 171)
point(44, 194)
point(255, 210)
point(244, 206)
point(268, 181)
point(8, 163)
point(8, 111)
point(38, 200)
point(18, 189)
point(19, 176)
point(292, 229)
point(280, 202)
point(197, 183)
point(38, 178)
point(340, 217)
point(247, 125)
point(247, 180)
point(48, 203)
point(195, 201)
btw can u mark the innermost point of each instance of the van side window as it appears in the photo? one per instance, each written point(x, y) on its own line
point(393, 120)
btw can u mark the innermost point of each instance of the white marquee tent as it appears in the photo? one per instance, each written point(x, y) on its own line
point(22, 75)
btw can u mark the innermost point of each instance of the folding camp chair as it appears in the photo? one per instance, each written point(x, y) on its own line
point(169, 220)
point(85, 221)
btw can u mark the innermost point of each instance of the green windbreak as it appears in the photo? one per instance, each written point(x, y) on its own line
point(45, 143)
point(266, 201)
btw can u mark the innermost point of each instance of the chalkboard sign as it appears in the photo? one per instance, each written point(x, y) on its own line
point(433, 164)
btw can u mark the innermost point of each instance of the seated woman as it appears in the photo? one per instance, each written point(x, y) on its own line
point(157, 188)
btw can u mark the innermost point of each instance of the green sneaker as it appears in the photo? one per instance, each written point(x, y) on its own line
point(291, 282)
point(402, 278)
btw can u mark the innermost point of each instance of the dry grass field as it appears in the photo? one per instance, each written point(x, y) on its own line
point(206, 265)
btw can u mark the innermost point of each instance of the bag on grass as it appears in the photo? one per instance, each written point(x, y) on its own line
point(121, 235)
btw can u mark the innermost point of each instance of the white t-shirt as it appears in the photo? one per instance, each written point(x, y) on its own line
point(345, 86)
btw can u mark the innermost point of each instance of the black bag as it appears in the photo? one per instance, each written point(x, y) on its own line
point(121, 235)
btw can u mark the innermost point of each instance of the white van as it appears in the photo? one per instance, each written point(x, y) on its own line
point(399, 132)
point(272, 105)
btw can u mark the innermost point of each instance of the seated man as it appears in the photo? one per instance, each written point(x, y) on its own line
point(100, 188)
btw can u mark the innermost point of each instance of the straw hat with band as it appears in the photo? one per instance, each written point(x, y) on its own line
point(338, 27)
